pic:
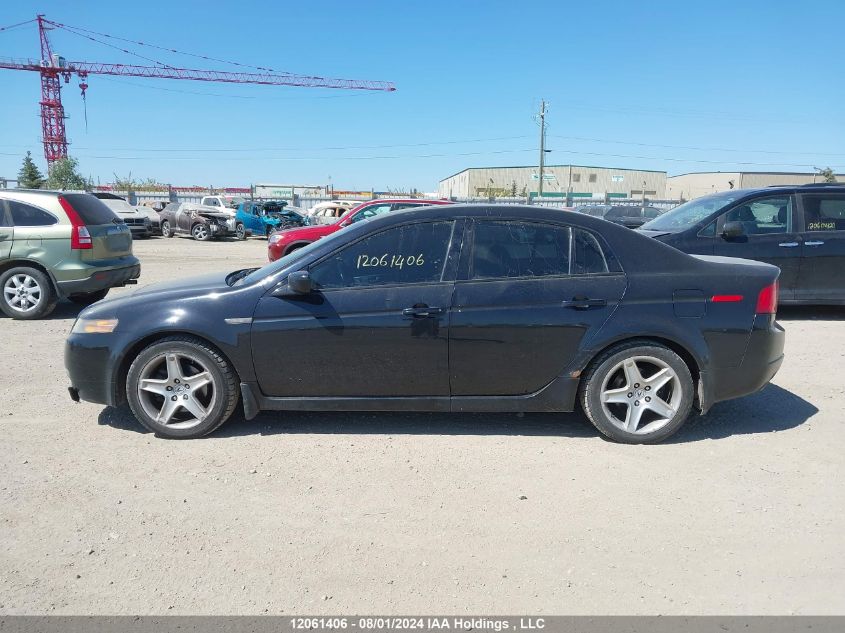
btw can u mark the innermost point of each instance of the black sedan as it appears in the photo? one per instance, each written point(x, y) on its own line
point(632, 216)
point(443, 308)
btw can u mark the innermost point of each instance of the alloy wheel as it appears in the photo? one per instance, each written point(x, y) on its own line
point(22, 292)
point(176, 390)
point(200, 232)
point(641, 394)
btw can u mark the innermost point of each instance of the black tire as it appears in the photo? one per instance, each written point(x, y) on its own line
point(268, 231)
point(38, 284)
point(224, 382)
point(608, 375)
point(240, 231)
point(166, 229)
point(295, 247)
point(89, 297)
point(200, 232)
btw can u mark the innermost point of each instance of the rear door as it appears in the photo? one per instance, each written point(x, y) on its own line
point(771, 235)
point(7, 231)
point(110, 237)
point(821, 277)
point(527, 294)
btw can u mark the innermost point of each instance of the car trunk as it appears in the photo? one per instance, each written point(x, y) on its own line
point(110, 237)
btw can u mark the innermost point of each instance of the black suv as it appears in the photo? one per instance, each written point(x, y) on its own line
point(800, 229)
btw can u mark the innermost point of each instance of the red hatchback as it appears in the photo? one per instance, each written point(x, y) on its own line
point(283, 242)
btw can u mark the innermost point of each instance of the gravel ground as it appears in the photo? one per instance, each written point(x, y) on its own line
point(740, 513)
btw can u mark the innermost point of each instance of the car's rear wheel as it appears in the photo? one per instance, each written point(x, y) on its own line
point(166, 229)
point(180, 387)
point(88, 298)
point(27, 293)
point(638, 393)
point(200, 232)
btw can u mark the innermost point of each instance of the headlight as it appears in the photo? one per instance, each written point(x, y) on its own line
point(94, 326)
point(275, 237)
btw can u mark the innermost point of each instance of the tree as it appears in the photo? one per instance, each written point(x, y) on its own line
point(513, 189)
point(30, 177)
point(64, 174)
point(827, 174)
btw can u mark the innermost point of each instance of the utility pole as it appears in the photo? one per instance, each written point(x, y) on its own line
point(542, 145)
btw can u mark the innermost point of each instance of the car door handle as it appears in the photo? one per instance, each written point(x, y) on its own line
point(421, 312)
point(788, 244)
point(814, 243)
point(583, 303)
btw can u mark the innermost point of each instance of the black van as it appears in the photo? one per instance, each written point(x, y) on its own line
point(800, 229)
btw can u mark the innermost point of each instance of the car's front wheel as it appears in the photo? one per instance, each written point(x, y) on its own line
point(27, 293)
point(240, 231)
point(638, 393)
point(180, 387)
point(201, 233)
point(166, 229)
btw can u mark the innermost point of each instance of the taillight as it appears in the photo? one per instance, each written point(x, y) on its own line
point(80, 238)
point(767, 300)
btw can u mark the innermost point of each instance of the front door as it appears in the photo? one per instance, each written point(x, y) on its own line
point(771, 235)
point(527, 294)
point(377, 324)
point(822, 274)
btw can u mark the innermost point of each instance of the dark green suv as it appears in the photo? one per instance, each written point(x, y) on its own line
point(56, 245)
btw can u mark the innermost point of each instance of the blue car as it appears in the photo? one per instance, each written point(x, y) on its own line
point(262, 218)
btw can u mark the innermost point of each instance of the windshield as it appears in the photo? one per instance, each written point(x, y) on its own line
point(691, 213)
point(283, 262)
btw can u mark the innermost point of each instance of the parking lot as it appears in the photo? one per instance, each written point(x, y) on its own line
point(741, 512)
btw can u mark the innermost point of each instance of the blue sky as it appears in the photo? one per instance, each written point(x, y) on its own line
point(676, 86)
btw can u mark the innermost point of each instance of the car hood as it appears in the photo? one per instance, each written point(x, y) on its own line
point(309, 232)
point(651, 233)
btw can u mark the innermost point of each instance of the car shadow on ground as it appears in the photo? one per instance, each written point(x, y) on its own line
point(64, 311)
point(773, 409)
point(811, 313)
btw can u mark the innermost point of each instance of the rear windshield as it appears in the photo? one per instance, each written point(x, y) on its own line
point(91, 210)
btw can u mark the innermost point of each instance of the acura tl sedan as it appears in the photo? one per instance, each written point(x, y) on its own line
point(447, 309)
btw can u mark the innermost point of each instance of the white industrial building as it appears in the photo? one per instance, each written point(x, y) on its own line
point(697, 184)
point(578, 181)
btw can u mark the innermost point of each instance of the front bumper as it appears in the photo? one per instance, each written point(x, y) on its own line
point(101, 279)
point(761, 361)
point(89, 363)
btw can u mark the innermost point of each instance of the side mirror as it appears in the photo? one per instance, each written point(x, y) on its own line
point(733, 230)
point(300, 282)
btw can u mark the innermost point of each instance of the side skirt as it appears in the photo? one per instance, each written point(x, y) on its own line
point(558, 396)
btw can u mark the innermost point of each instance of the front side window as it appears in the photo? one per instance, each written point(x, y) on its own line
point(519, 249)
point(26, 215)
point(407, 254)
point(5, 220)
point(763, 215)
point(824, 212)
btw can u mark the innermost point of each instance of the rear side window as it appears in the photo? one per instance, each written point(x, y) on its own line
point(26, 215)
point(824, 212)
point(588, 258)
point(5, 219)
point(90, 210)
point(519, 249)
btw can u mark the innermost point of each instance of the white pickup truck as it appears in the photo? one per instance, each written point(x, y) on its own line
point(222, 202)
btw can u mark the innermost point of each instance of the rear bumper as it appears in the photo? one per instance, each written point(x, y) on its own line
point(762, 360)
point(101, 278)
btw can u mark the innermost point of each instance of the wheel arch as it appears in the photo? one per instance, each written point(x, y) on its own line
point(686, 355)
point(31, 263)
point(121, 367)
point(295, 245)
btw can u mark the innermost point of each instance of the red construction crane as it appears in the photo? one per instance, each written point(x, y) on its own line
point(54, 68)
